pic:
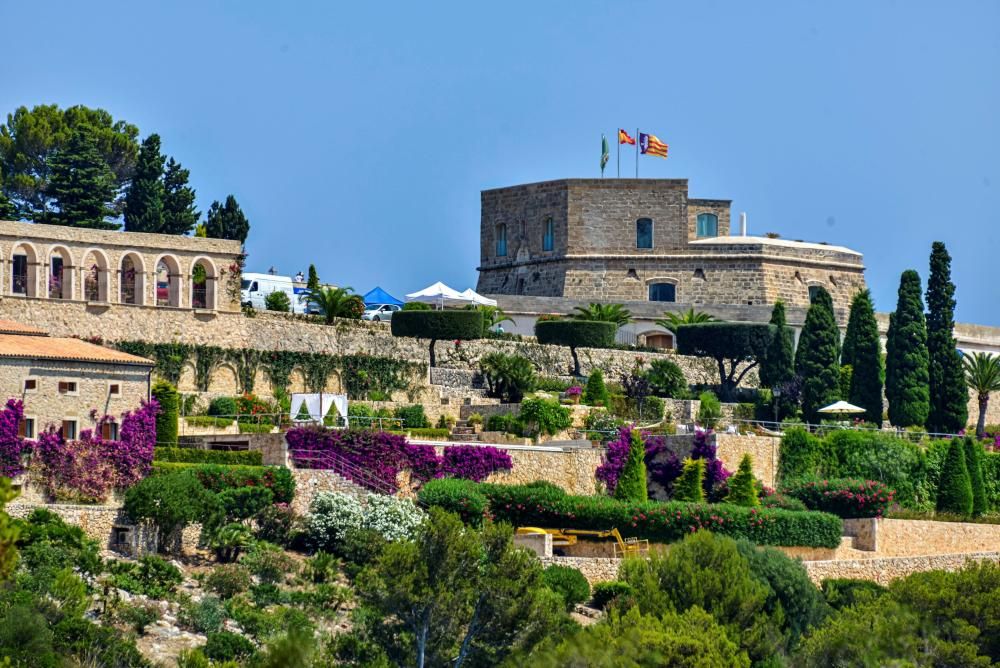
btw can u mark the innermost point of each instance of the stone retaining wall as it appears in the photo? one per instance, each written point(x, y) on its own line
point(572, 469)
point(763, 450)
point(595, 569)
point(310, 482)
point(885, 570)
point(98, 522)
point(907, 538)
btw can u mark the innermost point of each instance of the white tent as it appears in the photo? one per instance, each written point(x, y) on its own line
point(477, 299)
point(318, 405)
point(439, 294)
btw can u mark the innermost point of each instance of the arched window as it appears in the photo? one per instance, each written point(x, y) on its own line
point(501, 240)
point(130, 282)
point(644, 233)
point(168, 277)
point(203, 285)
point(662, 292)
point(708, 225)
point(549, 240)
point(60, 278)
point(95, 277)
point(23, 265)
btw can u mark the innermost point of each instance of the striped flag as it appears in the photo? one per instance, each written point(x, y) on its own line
point(650, 145)
point(624, 138)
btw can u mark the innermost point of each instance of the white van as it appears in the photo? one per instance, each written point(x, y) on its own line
point(256, 288)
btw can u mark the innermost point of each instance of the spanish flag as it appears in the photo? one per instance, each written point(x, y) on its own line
point(623, 138)
point(650, 145)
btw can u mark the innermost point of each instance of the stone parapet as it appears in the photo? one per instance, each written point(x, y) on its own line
point(885, 570)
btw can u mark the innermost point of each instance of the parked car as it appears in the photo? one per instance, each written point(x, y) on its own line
point(256, 287)
point(380, 312)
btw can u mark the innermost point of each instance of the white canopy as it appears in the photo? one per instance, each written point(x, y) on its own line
point(439, 294)
point(841, 408)
point(318, 405)
point(476, 298)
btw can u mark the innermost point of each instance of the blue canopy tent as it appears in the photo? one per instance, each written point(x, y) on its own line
point(380, 296)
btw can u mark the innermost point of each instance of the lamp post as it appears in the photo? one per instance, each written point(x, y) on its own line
point(776, 393)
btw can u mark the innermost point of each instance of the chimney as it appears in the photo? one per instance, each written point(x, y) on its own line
point(743, 223)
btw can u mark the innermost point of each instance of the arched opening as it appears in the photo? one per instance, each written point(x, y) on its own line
point(60, 274)
point(203, 280)
point(24, 270)
point(168, 281)
point(94, 276)
point(131, 280)
point(664, 340)
point(708, 225)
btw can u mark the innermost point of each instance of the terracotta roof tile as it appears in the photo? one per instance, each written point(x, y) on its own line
point(12, 327)
point(55, 348)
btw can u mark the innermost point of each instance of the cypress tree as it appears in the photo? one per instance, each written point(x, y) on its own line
point(226, 221)
point(949, 397)
point(144, 200)
point(779, 364)
point(313, 281)
point(179, 212)
point(632, 481)
point(906, 360)
point(865, 357)
point(743, 485)
point(166, 419)
point(595, 393)
point(954, 486)
point(690, 486)
point(817, 359)
point(82, 184)
point(974, 463)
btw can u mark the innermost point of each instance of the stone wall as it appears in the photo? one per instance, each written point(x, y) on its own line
point(763, 450)
point(98, 522)
point(885, 570)
point(570, 468)
point(595, 569)
point(906, 538)
point(310, 482)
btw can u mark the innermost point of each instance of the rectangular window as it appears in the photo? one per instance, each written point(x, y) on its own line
point(644, 233)
point(114, 389)
point(662, 292)
point(67, 387)
point(30, 384)
point(68, 430)
point(19, 275)
point(549, 240)
point(501, 240)
point(26, 428)
point(109, 431)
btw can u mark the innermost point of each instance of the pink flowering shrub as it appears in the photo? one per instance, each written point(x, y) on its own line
point(474, 462)
point(12, 446)
point(844, 497)
point(614, 460)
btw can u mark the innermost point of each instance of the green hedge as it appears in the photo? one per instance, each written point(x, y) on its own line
point(166, 419)
point(254, 428)
point(547, 506)
point(208, 421)
point(576, 333)
point(724, 340)
point(440, 325)
point(199, 456)
point(217, 477)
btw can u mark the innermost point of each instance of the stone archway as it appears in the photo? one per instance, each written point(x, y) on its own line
point(95, 276)
point(59, 276)
point(132, 279)
point(167, 281)
point(23, 270)
point(204, 278)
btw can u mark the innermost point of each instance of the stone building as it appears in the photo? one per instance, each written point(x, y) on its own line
point(108, 267)
point(64, 382)
point(645, 240)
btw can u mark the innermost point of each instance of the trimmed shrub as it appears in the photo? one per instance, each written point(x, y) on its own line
point(208, 421)
point(413, 417)
point(226, 646)
point(576, 334)
point(743, 486)
point(690, 486)
point(527, 505)
point(955, 487)
point(224, 406)
point(800, 454)
point(278, 301)
point(595, 393)
point(568, 582)
point(216, 478)
point(974, 463)
point(631, 484)
point(847, 498)
point(505, 422)
point(166, 419)
point(606, 593)
point(544, 416)
point(430, 433)
point(464, 325)
point(771, 499)
point(199, 456)
point(817, 358)
point(709, 409)
point(666, 378)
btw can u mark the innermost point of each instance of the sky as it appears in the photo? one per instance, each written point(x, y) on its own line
point(357, 136)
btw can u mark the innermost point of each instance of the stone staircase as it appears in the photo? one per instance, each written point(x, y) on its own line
point(463, 431)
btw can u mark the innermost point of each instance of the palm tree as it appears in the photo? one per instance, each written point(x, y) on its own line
point(336, 303)
point(615, 313)
point(690, 317)
point(982, 375)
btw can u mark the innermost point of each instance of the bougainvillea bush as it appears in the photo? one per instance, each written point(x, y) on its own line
point(474, 462)
point(844, 497)
point(12, 446)
point(535, 506)
point(87, 469)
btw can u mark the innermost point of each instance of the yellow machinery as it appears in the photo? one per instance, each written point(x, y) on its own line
point(624, 547)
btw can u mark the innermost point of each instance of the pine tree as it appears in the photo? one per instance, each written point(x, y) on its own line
point(949, 397)
point(82, 184)
point(817, 359)
point(954, 486)
point(632, 481)
point(864, 354)
point(743, 486)
point(906, 360)
point(974, 463)
point(313, 281)
point(180, 215)
point(690, 486)
point(144, 200)
point(226, 221)
point(7, 209)
point(779, 365)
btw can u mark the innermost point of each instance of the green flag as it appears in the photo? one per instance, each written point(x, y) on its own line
point(605, 154)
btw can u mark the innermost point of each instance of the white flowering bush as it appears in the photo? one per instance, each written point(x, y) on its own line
point(331, 516)
point(396, 519)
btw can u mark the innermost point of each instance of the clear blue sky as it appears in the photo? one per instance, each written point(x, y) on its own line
point(358, 135)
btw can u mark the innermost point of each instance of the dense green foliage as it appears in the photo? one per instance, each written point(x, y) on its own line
point(576, 334)
point(568, 582)
point(955, 486)
point(906, 375)
point(169, 501)
point(982, 375)
point(227, 221)
point(743, 486)
point(508, 377)
point(817, 359)
point(862, 352)
point(843, 497)
point(216, 478)
point(531, 505)
point(278, 301)
point(144, 200)
point(666, 379)
point(690, 486)
point(709, 409)
point(596, 392)
point(448, 325)
point(166, 419)
point(974, 464)
point(631, 485)
point(949, 398)
point(613, 313)
point(81, 183)
point(730, 344)
point(413, 417)
point(778, 365)
point(180, 215)
point(543, 416)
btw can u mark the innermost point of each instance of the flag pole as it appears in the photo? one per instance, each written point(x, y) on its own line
point(618, 160)
point(637, 153)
